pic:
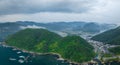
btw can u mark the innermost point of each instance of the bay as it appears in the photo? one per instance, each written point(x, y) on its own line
point(10, 56)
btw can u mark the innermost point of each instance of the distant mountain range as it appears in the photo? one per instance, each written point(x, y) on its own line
point(90, 27)
point(67, 27)
point(110, 37)
point(7, 29)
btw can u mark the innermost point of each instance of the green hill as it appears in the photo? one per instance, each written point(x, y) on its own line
point(111, 37)
point(73, 48)
point(115, 50)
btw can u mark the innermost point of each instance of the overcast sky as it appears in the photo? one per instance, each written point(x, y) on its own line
point(102, 11)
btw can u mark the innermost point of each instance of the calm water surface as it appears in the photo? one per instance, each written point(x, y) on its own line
point(8, 56)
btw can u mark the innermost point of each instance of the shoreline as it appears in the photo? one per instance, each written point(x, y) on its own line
point(38, 53)
point(58, 56)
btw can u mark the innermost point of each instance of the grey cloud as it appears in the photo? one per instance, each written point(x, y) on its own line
point(35, 6)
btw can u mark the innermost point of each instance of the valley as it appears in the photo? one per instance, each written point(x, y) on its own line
point(35, 38)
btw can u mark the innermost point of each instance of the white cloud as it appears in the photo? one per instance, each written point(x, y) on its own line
point(35, 6)
point(32, 26)
point(61, 10)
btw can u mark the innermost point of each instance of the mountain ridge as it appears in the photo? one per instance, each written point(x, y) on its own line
point(111, 36)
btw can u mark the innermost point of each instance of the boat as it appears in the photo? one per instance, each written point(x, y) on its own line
point(12, 59)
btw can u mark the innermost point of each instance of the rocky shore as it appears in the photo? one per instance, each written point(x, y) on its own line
point(58, 57)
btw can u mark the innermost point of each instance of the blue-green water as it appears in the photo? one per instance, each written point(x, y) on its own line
point(7, 53)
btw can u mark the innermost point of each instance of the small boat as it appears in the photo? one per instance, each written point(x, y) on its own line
point(21, 61)
point(14, 49)
point(22, 57)
point(12, 59)
point(18, 52)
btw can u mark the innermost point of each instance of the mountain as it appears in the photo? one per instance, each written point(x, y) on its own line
point(92, 28)
point(60, 27)
point(115, 50)
point(76, 26)
point(73, 48)
point(111, 36)
point(56, 26)
point(7, 29)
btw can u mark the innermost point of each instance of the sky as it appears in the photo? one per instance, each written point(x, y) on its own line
point(101, 11)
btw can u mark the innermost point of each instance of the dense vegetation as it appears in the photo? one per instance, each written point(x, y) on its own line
point(111, 37)
point(73, 48)
point(115, 50)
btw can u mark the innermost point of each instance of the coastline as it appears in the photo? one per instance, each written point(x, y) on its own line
point(59, 57)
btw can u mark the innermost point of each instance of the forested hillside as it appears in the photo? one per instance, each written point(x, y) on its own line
point(111, 37)
point(73, 48)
